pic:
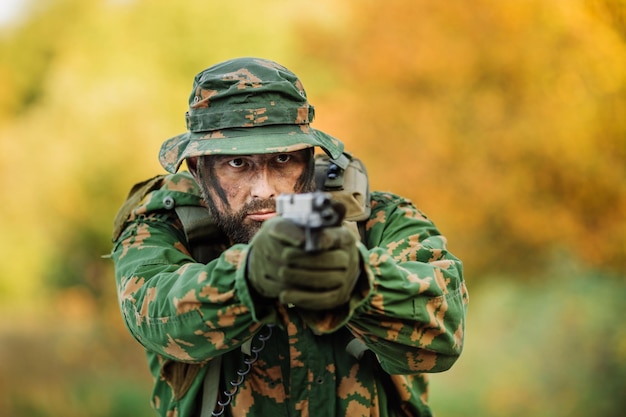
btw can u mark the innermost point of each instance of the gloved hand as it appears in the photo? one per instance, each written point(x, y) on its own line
point(265, 258)
point(279, 267)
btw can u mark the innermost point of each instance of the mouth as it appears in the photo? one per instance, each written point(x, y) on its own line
point(261, 216)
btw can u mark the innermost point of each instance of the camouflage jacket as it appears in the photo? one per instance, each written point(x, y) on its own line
point(410, 314)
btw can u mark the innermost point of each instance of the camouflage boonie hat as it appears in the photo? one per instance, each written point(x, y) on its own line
point(246, 106)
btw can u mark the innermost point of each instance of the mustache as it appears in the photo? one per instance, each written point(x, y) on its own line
point(257, 205)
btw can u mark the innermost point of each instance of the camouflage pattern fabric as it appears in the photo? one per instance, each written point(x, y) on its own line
point(410, 314)
point(246, 106)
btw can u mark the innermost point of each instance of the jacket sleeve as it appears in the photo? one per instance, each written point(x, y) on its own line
point(411, 313)
point(174, 306)
point(414, 318)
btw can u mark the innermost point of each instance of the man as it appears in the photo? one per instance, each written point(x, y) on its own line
point(237, 317)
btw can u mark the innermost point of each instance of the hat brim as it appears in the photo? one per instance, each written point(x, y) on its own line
point(246, 141)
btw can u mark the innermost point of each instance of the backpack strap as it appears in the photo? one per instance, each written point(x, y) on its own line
point(201, 232)
point(349, 185)
point(211, 386)
point(136, 194)
point(347, 181)
point(356, 348)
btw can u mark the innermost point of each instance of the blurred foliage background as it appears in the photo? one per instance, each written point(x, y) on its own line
point(505, 121)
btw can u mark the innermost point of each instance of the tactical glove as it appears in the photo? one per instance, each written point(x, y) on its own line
point(265, 256)
point(280, 267)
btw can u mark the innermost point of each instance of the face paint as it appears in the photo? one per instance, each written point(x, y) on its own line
point(241, 190)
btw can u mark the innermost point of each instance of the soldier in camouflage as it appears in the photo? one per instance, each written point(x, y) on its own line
point(256, 325)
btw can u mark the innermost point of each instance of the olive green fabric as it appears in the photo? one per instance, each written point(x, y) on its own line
point(279, 267)
point(266, 262)
point(409, 311)
point(246, 106)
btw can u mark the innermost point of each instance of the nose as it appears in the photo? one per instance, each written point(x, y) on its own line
point(262, 186)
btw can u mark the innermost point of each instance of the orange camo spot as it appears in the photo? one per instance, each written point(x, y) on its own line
point(393, 246)
point(435, 255)
point(424, 382)
point(303, 114)
point(192, 148)
point(214, 295)
point(443, 264)
point(136, 240)
point(204, 102)
point(437, 308)
point(187, 303)
point(234, 256)
point(171, 156)
point(148, 298)
point(258, 382)
point(464, 293)
point(402, 386)
point(183, 269)
point(380, 218)
point(215, 134)
point(458, 338)
point(182, 248)
point(410, 252)
point(254, 116)
point(393, 329)
point(227, 317)
point(294, 353)
point(245, 77)
point(411, 213)
point(442, 281)
point(182, 184)
point(357, 409)
point(202, 276)
point(130, 287)
point(299, 85)
point(303, 407)
point(214, 337)
point(421, 361)
point(245, 399)
point(174, 349)
point(349, 385)
point(424, 283)
point(378, 302)
point(376, 260)
point(254, 327)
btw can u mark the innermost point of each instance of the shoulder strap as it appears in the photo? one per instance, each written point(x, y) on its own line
point(349, 185)
point(211, 386)
point(136, 194)
point(202, 234)
point(347, 181)
point(356, 348)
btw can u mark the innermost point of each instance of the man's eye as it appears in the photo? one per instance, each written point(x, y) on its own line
point(282, 158)
point(236, 163)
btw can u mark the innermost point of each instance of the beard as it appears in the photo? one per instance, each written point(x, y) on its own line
point(235, 225)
